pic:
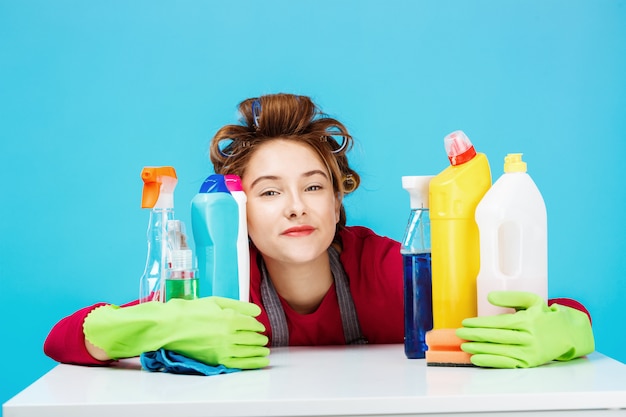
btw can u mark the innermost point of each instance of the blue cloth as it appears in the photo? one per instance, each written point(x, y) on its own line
point(167, 361)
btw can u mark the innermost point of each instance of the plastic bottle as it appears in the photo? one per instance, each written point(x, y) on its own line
point(416, 255)
point(182, 279)
point(158, 195)
point(215, 225)
point(233, 183)
point(513, 227)
point(454, 194)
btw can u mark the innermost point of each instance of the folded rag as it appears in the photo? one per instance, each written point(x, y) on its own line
point(163, 360)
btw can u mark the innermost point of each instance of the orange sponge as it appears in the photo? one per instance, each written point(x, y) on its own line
point(444, 349)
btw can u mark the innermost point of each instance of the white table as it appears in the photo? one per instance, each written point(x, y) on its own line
point(373, 380)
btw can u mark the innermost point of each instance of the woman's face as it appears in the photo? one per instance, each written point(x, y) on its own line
point(292, 207)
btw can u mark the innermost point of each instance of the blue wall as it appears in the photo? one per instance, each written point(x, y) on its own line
point(90, 92)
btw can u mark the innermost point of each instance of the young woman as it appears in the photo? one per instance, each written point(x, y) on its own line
point(314, 280)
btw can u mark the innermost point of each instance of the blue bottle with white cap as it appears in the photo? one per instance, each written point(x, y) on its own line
point(416, 255)
point(215, 225)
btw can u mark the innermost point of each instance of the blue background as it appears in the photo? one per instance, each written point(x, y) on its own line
point(91, 91)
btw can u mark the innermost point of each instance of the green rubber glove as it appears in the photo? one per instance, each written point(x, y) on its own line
point(212, 330)
point(533, 335)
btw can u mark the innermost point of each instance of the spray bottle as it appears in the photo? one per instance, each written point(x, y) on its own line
point(158, 195)
point(215, 224)
point(416, 255)
point(513, 227)
point(233, 183)
point(454, 194)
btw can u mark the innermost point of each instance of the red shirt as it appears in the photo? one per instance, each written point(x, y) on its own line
point(373, 265)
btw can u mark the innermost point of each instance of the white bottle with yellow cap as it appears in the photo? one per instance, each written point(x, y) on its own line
point(513, 234)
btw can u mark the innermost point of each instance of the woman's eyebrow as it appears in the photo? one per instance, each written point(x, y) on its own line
point(275, 177)
point(315, 172)
point(262, 178)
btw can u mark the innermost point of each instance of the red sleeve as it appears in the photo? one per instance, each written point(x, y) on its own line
point(373, 264)
point(568, 302)
point(66, 341)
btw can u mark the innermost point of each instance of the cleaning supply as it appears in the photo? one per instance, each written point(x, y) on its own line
point(532, 336)
point(182, 280)
point(167, 361)
point(415, 249)
point(233, 183)
point(513, 230)
point(215, 225)
point(444, 349)
point(158, 195)
point(454, 195)
point(211, 330)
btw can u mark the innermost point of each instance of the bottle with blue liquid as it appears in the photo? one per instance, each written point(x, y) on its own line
point(416, 255)
point(215, 226)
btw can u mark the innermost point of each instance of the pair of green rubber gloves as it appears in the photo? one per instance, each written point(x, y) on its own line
point(212, 330)
point(535, 334)
point(222, 331)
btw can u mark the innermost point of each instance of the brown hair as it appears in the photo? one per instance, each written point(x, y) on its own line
point(287, 117)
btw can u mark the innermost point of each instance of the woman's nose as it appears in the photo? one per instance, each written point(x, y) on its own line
point(295, 205)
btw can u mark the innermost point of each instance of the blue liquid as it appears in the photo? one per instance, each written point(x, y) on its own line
point(418, 304)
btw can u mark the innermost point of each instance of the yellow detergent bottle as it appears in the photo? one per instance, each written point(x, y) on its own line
point(454, 194)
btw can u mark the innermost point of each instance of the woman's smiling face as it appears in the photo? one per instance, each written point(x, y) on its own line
point(292, 208)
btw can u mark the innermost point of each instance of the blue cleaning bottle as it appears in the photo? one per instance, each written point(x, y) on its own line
point(215, 226)
point(416, 255)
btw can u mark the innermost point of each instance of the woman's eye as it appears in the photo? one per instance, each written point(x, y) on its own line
point(314, 188)
point(269, 193)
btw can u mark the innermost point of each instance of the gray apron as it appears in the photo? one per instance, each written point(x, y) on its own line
point(276, 315)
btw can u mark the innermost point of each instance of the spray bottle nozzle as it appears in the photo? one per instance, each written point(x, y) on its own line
point(158, 187)
point(417, 186)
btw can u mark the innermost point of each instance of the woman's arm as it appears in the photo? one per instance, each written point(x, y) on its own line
point(212, 330)
point(66, 341)
point(570, 302)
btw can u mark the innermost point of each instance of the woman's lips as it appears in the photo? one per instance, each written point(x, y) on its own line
point(298, 231)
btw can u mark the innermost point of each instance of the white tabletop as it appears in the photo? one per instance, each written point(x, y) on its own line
point(328, 381)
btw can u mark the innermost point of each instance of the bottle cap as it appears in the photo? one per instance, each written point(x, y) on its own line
point(214, 183)
point(458, 147)
point(513, 163)
point(233, 182)
point(417, 186)
point(182, 260)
